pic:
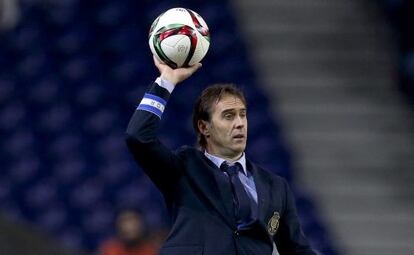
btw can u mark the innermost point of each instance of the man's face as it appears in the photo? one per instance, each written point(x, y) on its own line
point(129, 226)
point(227, 129)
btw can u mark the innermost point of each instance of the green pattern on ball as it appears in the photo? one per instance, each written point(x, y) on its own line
point(157, 44)
point(154, 24)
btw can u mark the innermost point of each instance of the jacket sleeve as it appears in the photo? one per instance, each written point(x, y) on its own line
point(290, 238)
point(158, 162)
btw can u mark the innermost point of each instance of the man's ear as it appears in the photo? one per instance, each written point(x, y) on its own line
point(204, 127)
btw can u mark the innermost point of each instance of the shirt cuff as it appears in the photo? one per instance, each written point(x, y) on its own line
point(165, 84)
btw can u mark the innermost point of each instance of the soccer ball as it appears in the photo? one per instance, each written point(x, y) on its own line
point(179, 37)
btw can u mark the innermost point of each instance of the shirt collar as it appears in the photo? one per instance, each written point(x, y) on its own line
point(218, 161)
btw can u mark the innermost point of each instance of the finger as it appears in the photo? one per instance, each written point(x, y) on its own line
point(156, 61)
point(195, 67)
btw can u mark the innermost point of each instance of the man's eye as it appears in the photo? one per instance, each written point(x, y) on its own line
point(228, 116)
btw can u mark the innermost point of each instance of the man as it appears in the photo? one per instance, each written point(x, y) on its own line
point(131, 237)
point(220, 202)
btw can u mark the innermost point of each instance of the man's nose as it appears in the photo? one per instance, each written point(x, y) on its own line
point(239, 122)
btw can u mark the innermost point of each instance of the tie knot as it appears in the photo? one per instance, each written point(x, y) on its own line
point(231, 170)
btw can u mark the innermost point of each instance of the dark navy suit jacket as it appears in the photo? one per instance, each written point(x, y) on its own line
point(201, 206)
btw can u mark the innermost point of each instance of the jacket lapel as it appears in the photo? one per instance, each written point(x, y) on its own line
point(262, 189)
point(209, 181)
point(226, 195)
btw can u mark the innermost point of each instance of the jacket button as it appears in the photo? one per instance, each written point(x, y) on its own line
point(236, 233)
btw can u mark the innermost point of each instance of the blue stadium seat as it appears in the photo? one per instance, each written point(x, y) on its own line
point(100, 122)
point(79, 68)
point(71, 237)
point(69, 171)
point(114, 173)
point(87, 194)
point(56, 118)
point(26, 39)
point(99, 220)
point(25, 169)
point(12, 115)
point(5, 188)
point(73, 40)
point(60, 16)
point(53, 218)
point(43, 92)
point(88, 96)
point(133, 194)
point(41, 194)
point(112, 14)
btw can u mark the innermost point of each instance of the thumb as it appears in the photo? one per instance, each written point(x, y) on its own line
point(195, 67)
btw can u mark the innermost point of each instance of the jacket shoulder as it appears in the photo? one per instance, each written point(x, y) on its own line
point(271, 176)
point(186, 151)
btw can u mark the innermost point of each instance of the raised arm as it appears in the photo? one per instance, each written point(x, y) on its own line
point(159, 162)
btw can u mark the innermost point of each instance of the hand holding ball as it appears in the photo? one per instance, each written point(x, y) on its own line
point(179, 37)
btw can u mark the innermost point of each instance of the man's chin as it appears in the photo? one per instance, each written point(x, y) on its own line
point(239, 148)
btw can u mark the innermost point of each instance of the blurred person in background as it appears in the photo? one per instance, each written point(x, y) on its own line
point(132, 237)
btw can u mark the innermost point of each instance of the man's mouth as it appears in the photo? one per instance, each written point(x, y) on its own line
point(239, 136)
